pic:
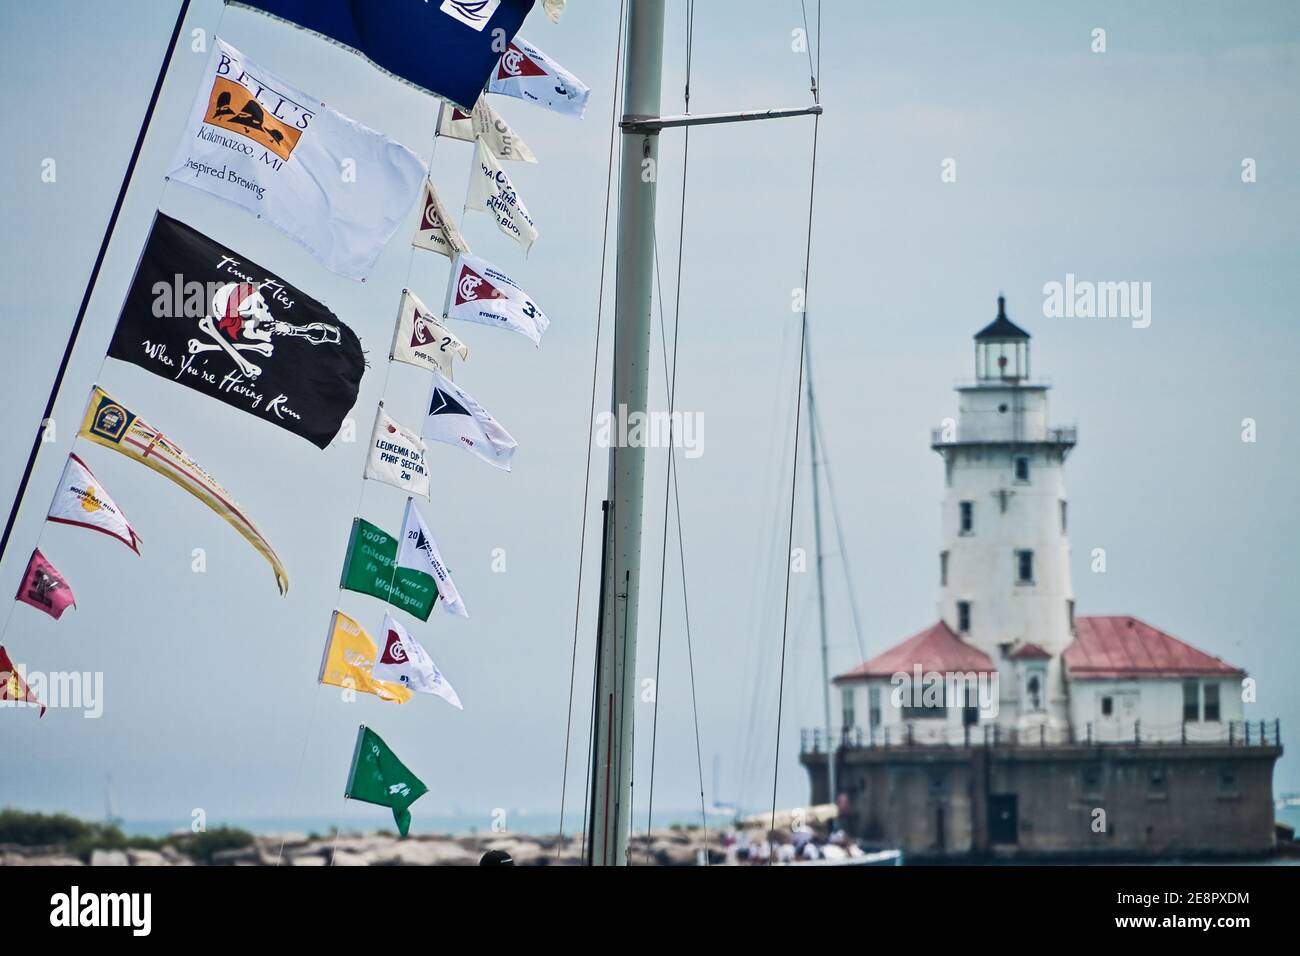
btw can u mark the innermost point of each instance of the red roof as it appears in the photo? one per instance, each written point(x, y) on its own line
point(936, 648)
point(1029, 652)
point(1124, 647)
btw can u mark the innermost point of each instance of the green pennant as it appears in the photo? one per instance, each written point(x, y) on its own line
point(368, 569)
point(378, 777)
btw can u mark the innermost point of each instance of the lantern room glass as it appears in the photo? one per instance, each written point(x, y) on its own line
point(1002, 360)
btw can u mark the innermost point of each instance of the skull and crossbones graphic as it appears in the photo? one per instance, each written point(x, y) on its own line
point(239, 322)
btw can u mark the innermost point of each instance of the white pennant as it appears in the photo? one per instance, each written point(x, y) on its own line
point(397, 456)
point(419, 552)
point(484, 123)
point(455, 418)
point(480, 292)
point(491, 190)
point(420, 339)
point(81, 500)
point(437, 231)
point(404, 660)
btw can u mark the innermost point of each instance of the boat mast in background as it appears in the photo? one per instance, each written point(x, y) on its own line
point(821, 578)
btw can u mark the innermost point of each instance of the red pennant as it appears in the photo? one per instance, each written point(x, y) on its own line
point(12, 686)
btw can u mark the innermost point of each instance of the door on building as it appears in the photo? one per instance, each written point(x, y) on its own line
point(1003, 823)
point(1117, 714)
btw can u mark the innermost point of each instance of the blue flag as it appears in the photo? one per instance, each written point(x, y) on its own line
point(445, 48)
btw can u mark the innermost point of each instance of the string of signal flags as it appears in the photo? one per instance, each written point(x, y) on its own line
point(242, 335)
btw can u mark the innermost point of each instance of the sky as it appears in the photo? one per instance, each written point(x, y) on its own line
point(1116, 165)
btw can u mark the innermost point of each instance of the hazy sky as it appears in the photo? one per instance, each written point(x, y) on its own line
point(1123, 165)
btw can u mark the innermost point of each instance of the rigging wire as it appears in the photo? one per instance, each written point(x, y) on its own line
point(755, 675)
point(794, 471)
point(839, 530)
point(670, 475)
point(591, 424)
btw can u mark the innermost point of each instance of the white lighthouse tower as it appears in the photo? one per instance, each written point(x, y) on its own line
point(1004, 563)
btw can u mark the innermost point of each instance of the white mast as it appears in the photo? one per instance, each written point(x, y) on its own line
point(614, 701)
point(611, 809)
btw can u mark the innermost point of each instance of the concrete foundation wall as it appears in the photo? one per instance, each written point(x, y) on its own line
point(1116, 801)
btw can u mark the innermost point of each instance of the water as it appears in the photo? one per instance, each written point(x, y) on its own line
point(368, 819)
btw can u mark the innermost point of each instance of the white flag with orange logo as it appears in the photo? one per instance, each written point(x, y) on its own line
point(484, 123)
point(335, 186)
point(437, 231)
point(480, 292)
point(491, 190)
point(528, 73)
point(81, 500)
point(420, 339)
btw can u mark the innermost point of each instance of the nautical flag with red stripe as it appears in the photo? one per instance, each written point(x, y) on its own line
point(109, 423)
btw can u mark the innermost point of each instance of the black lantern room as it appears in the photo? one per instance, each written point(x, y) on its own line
point(1002, 350)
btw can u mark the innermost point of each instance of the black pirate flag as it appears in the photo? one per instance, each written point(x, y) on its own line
point(211, 319)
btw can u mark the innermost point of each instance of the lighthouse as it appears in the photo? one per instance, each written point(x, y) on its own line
point(1002, 727)
point(1004, 554)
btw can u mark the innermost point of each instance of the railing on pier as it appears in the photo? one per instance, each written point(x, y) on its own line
point(1233, 733)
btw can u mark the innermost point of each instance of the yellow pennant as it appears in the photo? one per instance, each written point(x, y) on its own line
point(349, 656)
point(110, 424)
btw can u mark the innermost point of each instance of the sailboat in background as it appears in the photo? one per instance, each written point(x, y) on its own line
point(817, 841)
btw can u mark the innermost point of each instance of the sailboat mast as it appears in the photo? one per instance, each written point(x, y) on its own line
point(821, 578)
point(615, 691)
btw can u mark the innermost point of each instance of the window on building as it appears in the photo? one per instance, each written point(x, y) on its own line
point(1191, 700)
point(1035, 687)
point(1024, 567)
point(1069, 612)
point(1090, 778)
point(847, 716)
point(963, 616)
point(1212, 703)
point(1227, 780)
point(1064, 523)
point(925, 713)
point(943, 569)
point(873, 707)
point(1022, 468)
point(1157, 781)
point(1107, 706)
point(968, 517)
point(970, 713)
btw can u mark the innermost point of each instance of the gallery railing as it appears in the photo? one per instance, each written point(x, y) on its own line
point(1232, 733)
